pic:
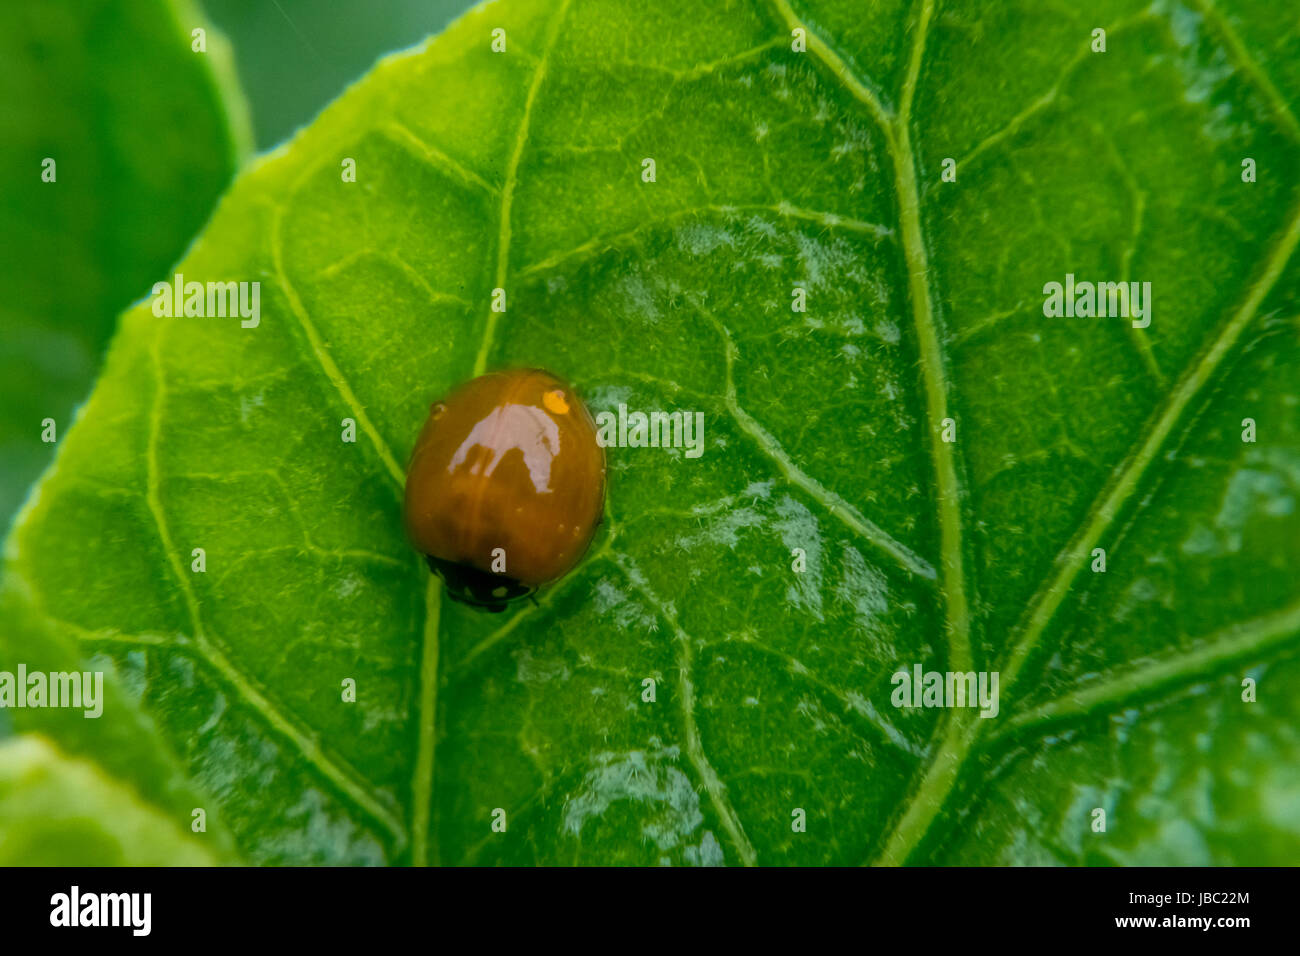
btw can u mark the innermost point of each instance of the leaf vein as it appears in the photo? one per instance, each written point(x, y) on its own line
point(934, 380)
point(1233, 644)
point(209, 652)
point(401, 135)
point(1070, 560)
point(593, 247)
point(508, 187)
point(1045, 100)
point(864, 91)
point(326, 362)
point(840, 509)
point(713, 784)
point(963, 732)
point(1281, 111)
point(422, 784)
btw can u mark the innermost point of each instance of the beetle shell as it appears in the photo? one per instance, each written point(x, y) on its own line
point(507, 461)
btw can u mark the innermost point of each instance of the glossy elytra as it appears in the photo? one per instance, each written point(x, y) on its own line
point(506, 486)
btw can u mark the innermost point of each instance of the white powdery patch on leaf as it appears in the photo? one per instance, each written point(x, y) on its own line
point(671, 806)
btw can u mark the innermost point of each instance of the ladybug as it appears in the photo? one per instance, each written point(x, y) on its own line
point(505, 487)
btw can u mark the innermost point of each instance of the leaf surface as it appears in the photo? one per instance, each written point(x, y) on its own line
point(776, 170)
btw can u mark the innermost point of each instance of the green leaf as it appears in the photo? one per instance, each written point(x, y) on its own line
point(145, 134)
point(776, 170)
point(55, 811)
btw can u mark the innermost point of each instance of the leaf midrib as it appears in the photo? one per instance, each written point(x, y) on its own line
point(423, 849)
point(508, 186)
point(962, 731)
point(933, 359)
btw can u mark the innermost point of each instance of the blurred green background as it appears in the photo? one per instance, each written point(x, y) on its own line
point(295, 56)
point(146, 135)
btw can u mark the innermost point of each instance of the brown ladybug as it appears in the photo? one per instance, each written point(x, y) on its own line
point(506, 486)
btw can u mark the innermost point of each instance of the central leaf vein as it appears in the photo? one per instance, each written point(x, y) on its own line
point(508, 187)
